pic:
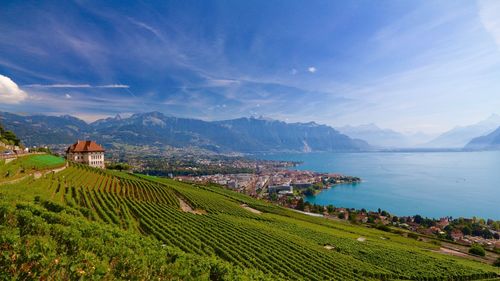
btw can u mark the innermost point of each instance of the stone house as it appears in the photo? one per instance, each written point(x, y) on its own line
point(86, 152)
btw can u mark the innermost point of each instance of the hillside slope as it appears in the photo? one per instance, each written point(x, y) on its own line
point(205, 221)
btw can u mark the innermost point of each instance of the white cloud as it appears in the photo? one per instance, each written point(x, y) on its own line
point(311, 69)
point(68, 96)
point(58, 86)
point(114, 86)
point(119, 86)
point(10, 92)
point(222, 82)
point(489, 12)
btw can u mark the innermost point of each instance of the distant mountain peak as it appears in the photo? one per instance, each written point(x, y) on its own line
point(460, 136)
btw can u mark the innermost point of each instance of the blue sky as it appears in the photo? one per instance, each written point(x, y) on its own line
point(406, 65)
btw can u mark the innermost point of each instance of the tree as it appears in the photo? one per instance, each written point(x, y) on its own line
point(466, 230)
point(300, 204)
point(309, 191)
point(274, 197)
point(118, 166)
point(497, 263)
point(11, 138)
point(477, 250)
point(383, 227)
point(353, 217)
point(418, 219)
point(330, 208)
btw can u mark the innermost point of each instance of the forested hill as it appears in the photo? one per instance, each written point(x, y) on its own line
point(99, 224)
point(154, 128)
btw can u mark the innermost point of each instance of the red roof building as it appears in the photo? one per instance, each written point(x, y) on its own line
point(86, 152)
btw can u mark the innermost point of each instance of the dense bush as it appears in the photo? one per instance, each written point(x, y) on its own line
point(477, 250)
point(383, 227)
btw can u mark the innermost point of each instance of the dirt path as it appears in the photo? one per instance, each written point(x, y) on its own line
point(188, 209)
point(184, 206)
point(36, 175)
point(245, 206)
point(451, 252)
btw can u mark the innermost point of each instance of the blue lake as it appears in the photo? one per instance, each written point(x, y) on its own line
point(433, 184)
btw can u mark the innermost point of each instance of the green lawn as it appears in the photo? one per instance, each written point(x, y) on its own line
point(42, 162)
point(29, 164)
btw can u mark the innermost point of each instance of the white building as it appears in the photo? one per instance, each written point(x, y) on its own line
point(86, 152)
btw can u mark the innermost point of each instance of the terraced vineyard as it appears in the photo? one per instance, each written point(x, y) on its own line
point(211, 221)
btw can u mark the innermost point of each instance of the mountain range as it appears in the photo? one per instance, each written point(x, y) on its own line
point(460, 136)
point(383, 138)
point(247, 135)
point(490, 141)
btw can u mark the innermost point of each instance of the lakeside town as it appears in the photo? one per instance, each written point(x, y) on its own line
point(288, 188)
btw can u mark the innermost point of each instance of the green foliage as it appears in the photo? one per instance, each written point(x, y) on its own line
point(37, 248)
point(497, 263)
point(477, 250)
point(118, 166)
point(383, 227)
point(413, 235)
point(103, 224)
point(8, 137)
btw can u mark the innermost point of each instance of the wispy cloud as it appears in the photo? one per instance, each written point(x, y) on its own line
point(57, 86)
point(114, 86)
point(10, 92)
point(147, 27)
point(489, 12)
point(110, 86)
point(312, 69)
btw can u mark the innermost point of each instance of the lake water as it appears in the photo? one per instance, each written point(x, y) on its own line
point(454, 184)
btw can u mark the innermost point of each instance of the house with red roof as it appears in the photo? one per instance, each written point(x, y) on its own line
point(86, 152)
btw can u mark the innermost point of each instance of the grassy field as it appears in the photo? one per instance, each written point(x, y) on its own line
point(234, 242)
point(28, 164)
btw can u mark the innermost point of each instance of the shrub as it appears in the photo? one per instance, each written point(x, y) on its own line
point(383, 227)
point(477, 250)
point(413, 235)
point(497, 263)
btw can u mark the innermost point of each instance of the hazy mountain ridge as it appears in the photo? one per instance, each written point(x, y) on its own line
point(487, 142)
point(460, 136)
point(377, 136)
point(155, 128)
